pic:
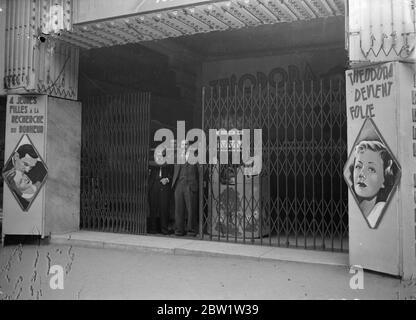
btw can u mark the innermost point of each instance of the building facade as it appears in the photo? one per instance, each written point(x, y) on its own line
point(87, 83)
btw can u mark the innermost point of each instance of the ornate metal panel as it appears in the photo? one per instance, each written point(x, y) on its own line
point(381, 31)
point(35, 62)
point(299, 199)
point(115, 23)
point(114, 164)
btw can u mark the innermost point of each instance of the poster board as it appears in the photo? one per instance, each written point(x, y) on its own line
point(379, 109)
point(25, 171)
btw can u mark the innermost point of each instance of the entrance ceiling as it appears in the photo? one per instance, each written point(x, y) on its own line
point(215, 16)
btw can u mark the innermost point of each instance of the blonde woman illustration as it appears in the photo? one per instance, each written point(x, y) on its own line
point(372, 177)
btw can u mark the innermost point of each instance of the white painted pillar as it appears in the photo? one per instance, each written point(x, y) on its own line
point(379, 34)
point(2, 43)
point(383, 93)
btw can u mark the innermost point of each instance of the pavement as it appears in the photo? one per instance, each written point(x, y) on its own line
point(116, 266)
point(193, 246)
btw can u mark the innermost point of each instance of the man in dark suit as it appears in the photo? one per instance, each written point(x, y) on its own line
point(160, 196)
point(185, 185)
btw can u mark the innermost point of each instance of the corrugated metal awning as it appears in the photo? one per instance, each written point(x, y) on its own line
point(208, 17)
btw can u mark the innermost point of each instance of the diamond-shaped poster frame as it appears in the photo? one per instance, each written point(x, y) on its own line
point(24, 202)
point(392, 174)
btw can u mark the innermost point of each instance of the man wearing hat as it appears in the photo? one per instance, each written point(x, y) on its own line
point(185, 185)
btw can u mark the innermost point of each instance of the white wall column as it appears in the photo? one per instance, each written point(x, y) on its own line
point(381, 85)
point(3, 11)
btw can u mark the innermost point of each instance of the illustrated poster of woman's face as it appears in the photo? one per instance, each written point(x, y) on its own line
point(372, 174)
point(368, 174)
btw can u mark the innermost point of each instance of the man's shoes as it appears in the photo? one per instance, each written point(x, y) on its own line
point(191, 234)
point(179, 234)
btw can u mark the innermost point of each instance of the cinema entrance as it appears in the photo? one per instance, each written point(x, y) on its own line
point(269, 65)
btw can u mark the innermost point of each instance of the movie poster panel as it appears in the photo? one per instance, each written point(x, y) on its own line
point(372, 173)
point(25, 170)
point(25, 173)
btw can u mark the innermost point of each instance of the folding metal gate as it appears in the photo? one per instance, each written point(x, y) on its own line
point(299, 199)
point(114, 163)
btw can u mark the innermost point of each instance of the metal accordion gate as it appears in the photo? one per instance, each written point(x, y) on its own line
point(114, 163)
point(299, 198)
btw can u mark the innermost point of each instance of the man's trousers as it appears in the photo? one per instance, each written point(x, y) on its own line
point(186, 208)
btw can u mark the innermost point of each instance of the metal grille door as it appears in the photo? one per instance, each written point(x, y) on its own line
point(114, 164)
point(299, 199)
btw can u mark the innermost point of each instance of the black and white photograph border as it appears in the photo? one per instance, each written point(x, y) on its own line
point(211, 240)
